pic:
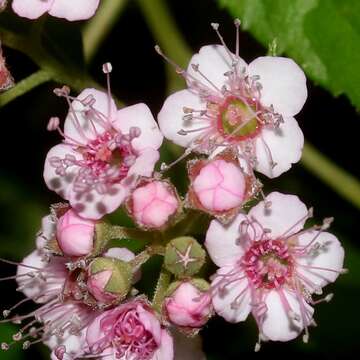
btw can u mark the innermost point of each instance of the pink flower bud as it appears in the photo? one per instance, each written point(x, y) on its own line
point(74, 234)
point(153, 204)
point(220, 186)
point(188, 306)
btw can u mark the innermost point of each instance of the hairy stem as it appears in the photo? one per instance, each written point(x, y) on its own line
point(161, 287)
point(98, 28)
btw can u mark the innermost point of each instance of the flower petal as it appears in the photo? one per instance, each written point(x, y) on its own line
point(83, 124)
point(282, 145)
point(74, 10)
point(123, 254)
point(92, 205)
point(166, 349)
point(286, 215)
point(171, 120)
point(140, 116)
point(277, 324)
point(329, 255)
point(60, 184)
point(31, 9)
point(232, 301)
point(283, 83)
point(214, 61)
point(222, 242)
point(144, 163)
point(48, 229)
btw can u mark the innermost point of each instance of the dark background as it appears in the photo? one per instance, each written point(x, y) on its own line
point(331, 124)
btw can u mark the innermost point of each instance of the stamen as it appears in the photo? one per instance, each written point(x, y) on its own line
point(237, 24)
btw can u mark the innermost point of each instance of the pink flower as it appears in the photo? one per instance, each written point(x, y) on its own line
point(75, 235)
point(69, 10)
point(129, 331)
point(219, 186)
point(229, 103)
point(153, 204)
point(188, 306)
point(103, 152)
point(271, 266)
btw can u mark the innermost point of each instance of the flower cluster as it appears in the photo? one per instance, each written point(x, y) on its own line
point(235, 119)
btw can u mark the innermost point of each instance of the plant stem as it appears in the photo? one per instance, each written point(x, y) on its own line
point(98, 28)
point(343, 183)
point(160, 290)
point(25, 85)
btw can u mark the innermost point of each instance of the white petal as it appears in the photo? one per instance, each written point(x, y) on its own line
point(31, 9)
point(60, 184)
point(285, 216)
point(139, 116)
point(283, 146)
point(171, 115)
point(329, 255)
point(237, 291)
point(222, 242)
point(123, 254)
point(283, 82)
point(93, 205)
point(214, 61)
point(277, 325)
point(48, 228)
point(74, 10)
point(144, 163)
point(82, 128)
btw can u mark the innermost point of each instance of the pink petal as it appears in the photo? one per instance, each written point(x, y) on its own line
point(277, 325)
point(150, 323)
point(223, 299)
point(60, 184)
point(329, 255)
point(139, 116)
point(285, 145)
point(31, 9)
point(94, 331)
point(222, 242)
point(283, 82)
point(214, 61)
point(75, 9)
point(286, 215)
point(166, 349)
point(171, 115)
point(144, 163)
point(48, 228)
point(82, 128)
point(123, 254)
point(93, 205)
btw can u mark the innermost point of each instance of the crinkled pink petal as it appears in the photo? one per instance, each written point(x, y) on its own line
point(166, 348)
point(283, 83)
point(93, 205)
point(214, 61)
point(329, 255)
point(286, 214)
point(282, 146)
point(171, 115)
point(144, 163)
point(74, 10)
point(31, 9)
point(60, 184)
point(223, 299)
point(82, 128)
point(277, 324)
point(150, 323)
point(139, 116)
point(94, 331)
point(222, 242)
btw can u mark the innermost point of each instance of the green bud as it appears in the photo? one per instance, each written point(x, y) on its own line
point(184, 256)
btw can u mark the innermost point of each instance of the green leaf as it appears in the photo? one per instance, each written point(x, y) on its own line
point(323, 36)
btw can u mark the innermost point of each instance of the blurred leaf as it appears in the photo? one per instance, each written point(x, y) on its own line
point(323, 36)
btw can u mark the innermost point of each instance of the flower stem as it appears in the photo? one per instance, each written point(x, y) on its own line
point(98, 28)
point(160, 290)
point(25, 85)
point(338, 179)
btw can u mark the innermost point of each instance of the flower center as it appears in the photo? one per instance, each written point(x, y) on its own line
point(268, 264)
point(237, 119)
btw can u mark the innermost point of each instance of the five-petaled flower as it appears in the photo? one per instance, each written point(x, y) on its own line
point(69, 10)
point(271, 266)
point(230, 103)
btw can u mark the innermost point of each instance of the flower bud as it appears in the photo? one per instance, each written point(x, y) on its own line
point(187, 303)
point(153, 204)
point(184, 256)
point(75, 235)
point(109, 279)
